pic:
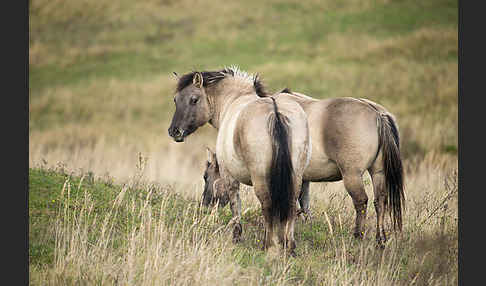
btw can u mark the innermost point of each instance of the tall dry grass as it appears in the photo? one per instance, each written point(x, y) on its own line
point(169, 245)
point(155, 236)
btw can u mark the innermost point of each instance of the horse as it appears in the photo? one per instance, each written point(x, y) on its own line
point(348, 136)
point(262, 142)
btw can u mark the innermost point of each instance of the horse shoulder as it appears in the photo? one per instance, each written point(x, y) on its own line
point(238, 138)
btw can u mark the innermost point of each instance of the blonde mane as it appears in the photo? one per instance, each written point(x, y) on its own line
point(235, 71)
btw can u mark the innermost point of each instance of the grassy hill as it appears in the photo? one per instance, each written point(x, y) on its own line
point(103, 69)
point(100, 102)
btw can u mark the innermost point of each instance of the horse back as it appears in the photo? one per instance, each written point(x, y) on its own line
point(252, 140)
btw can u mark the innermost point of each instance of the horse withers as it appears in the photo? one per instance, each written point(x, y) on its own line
point(350, 136)
point(261, 142)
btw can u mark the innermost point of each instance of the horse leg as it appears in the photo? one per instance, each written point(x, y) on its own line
point(291, 241)
point(304, 200)
point(263, 194)
point(235, 205)
point(353, 183)
point(378, 179)
point(286, 227)
point(302, 191)
point(286, 235)
point(268, 222)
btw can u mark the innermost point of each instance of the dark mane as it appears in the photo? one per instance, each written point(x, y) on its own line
point(212, 77)
point(259, 88)
point(209, 77)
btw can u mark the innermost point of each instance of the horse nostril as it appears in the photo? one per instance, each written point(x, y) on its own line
point(174, 132)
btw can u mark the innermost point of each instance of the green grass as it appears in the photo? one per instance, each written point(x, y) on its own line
point(55, 217)
point(44, 193)
point(45, 200)
point(178, 42)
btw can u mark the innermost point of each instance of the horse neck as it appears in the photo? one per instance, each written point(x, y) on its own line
point(224, 95)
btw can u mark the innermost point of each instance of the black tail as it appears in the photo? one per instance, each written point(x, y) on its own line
point(392, 164)
point(281, 174)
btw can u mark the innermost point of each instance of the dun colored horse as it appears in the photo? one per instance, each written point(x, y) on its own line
point(348, 136)
point(261, 142)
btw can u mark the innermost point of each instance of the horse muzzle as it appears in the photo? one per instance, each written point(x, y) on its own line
point(179, 139)
point(177, 134)
point(207, 197)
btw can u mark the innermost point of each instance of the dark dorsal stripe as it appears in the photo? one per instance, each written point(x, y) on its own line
point(286, 90)
point(212, 77)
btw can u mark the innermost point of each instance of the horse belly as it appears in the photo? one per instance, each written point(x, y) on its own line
point(239, 171)
point(243, 178)
point(322, 170)
point(321, 167)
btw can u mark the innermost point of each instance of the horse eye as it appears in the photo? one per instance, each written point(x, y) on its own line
point(194, 100)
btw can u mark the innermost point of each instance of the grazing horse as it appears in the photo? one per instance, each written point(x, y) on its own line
point(261, 142)
point(348, 136)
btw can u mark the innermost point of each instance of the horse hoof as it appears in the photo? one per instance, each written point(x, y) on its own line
point(308, 217)
point(237, 233)
point(305, 215)
point(359, 235)
point(265, 247)
point(292, 250)
point(236, 239)
point(380, 243)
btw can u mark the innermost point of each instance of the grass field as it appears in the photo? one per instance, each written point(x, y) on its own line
point(100, 102)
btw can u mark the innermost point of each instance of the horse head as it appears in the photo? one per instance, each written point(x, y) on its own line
point(214, 188)
point(192, 107)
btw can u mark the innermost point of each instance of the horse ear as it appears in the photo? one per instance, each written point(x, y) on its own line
point(197, 80)
point(210, 155)
point(176, 75)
